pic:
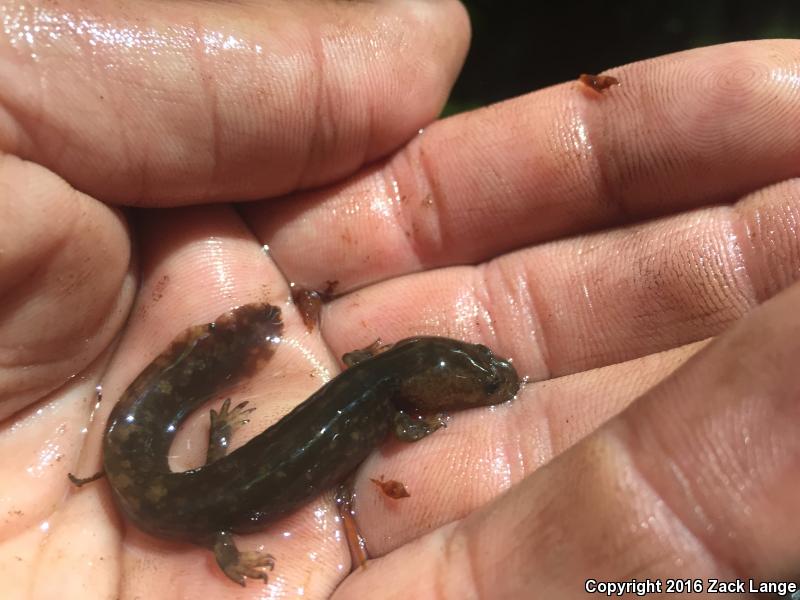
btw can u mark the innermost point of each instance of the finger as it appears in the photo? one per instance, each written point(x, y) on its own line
point(65, 282)
point(700, 127)
point(185, 102)
point(583, 303)
point(484, 452)
point(708, 457)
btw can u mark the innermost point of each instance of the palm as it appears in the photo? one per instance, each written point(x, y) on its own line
point(586, 316)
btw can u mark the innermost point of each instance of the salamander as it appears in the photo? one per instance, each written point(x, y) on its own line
point(313, 447)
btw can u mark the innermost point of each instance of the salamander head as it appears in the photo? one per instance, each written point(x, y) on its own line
point(451, 374)
point(497, 376)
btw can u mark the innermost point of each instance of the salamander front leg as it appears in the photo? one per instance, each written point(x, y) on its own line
point(240, 565)
point(356, 356)
point(410, 428)
point(223, 424)
point(236, 565)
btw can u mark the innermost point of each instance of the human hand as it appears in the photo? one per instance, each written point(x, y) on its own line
point(183, 103)
point(639, 450)
point(435, 204)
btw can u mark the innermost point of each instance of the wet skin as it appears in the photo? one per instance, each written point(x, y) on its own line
point(312, 448)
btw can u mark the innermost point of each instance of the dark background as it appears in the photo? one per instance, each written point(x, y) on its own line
point(523, 45)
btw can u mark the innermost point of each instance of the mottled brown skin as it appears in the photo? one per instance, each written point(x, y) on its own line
point(312, 448)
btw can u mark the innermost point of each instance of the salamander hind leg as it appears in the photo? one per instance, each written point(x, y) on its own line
point(410, 428)
point(223, 424)
point(237, 565)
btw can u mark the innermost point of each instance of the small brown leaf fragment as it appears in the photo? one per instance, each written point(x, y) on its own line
point(391, 488)
point(598, 82)
point(309, 303)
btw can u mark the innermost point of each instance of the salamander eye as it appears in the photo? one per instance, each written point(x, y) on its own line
point(492, 385)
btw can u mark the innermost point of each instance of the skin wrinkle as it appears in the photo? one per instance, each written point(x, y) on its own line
point(625, 456)
point(370, 130)
point(35, 110)
point(40, 265)
point(468, 553)
point(621, 165)
point(635, 571)
point(20, 390)
point(46, 361)
point(99, 82)
point(423, 218)
point(584, 286)
point(770, 234)
point(369, 147)
point(66, 146)
point(624, 435)
point(482, 296)
point(598, 157)
point(749, 297)
point(547, 428)
point(524, 459)
point(728, 278)
point(772, 280)
point(529, 308)
point(708, 286)
point(579, 169)
point(739, 224)
point(104, 316)
point(208, 86)
point(42, 262)
point(491, 286)
point(741, 281)
point(112, 101)
point(433, 194)
point(533, 524)
point(533, 324)
point(535, 300)
point(440, 571)
point(318, 76)
point(631, 166)
point(400, 214)
point(141, 164)
point(370, 138)
point(49, 358)
point(130, 44)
